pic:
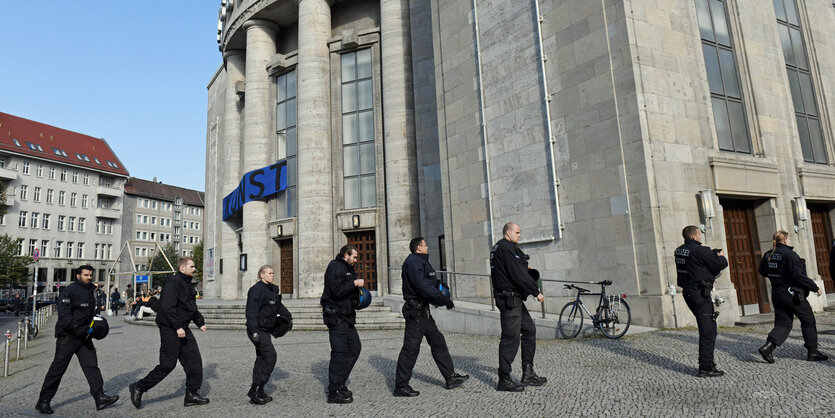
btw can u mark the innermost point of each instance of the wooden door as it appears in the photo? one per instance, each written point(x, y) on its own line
point(366, 258)
point(744, 254)
point(823, 243)
point(285, 246)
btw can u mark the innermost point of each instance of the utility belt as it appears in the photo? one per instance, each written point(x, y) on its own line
point(513, 297)
point(414, 308)
point(331, 317)
point(798, 294)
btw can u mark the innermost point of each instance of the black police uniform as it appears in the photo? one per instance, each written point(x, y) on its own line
point(511, 285)
point(420, 287)
point(789, 288)
point(697, 267)
point(76, 308)
point(339, 315)
point(177, 307)
point(263, 303)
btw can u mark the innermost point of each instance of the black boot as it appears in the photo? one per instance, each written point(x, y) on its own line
point(263, 394)
point(405, 391)
point(456, 380)
point(338, 396)
point(766, 351)
point(714, 372)
point(506, 384)
point(135, 395)
point(103, 401)
point(193, 399)
point(254, 396)
point(815, 355)
point(345, 391)
point(529, 378)
point(43, 407)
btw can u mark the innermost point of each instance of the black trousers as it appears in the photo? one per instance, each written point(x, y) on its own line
point(65, 347)
point(419, 324)
point(517, 325)
point(345, 350)
point(785, 309)
point(702, 308)
point(172, 349)
point(265, 357)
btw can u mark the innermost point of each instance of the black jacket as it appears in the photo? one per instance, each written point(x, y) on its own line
point(76, 308)
point(177, 305)
point(786, 269)
point(509, 269)
point(263, 303)
point(339, 292)
point(419, 280)
point(696, 263)
point(101, 299)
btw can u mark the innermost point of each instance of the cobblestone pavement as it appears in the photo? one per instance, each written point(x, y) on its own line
point(651, 374)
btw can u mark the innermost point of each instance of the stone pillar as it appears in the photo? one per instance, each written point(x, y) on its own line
point(260, 47)
point(398, 134)
point(231, 169)
point(316, 219)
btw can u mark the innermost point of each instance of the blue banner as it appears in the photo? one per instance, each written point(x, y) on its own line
point(256, 185)
point(142, 278)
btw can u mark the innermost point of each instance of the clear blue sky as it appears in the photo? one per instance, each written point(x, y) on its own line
point(132, 72)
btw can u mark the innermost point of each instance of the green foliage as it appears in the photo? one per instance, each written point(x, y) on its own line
point(12, 265)
point(158, 264)
point(3, 208)
point(198, 260)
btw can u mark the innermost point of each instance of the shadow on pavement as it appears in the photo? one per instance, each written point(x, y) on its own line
point(320, 372)
point(484, 374)
point(624, 348)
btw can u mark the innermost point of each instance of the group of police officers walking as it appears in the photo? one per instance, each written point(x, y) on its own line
point(513, 280)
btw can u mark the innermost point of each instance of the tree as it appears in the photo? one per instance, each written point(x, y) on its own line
point(198, 260)
point(12, 265)
point(3, 208)
point(158, 264)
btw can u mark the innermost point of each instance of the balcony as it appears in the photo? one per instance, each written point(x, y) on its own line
point(108, 191)
point(113, 212)
point(8, 174)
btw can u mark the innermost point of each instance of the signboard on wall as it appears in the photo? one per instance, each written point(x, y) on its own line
point(256, 185)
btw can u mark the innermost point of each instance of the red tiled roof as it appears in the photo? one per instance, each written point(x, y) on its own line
point(57, 144)
point(160, 191)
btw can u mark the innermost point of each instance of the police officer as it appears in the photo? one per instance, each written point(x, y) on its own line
point(177, 308)
point(339, 315)
point(420, 287)
point(263, 303)
point(789, 288)
point(76, 309)
point(511, 285)
point(697, 267)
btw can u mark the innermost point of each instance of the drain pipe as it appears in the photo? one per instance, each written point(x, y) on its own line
point(483, 122)
point(549, 133)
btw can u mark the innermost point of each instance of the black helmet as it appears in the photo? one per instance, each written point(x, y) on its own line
point(282, 325)
point(444, 288)
point(362, 299)
point(98, 327)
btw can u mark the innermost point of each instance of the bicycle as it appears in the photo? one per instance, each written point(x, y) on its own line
point(612, 317)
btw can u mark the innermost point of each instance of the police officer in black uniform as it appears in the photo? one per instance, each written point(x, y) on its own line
point(177, 308)
point(263, 304)
point(511, 285)
point(420, 287)
point(339, 315)
point(697, 267)
point(76, 309)
point(789, 288)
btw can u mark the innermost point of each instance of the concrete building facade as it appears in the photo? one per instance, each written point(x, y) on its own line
point(64, 197)
point(601, 127)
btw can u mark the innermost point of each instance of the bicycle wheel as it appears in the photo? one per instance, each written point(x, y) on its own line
point(571, 320)
point(614, 318)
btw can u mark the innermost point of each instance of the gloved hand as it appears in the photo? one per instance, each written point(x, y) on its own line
point(254, 337)
point(449, 304)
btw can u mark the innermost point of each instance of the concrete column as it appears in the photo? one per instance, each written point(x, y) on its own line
point(399, 133)
point(316, 219)
point(260, 47)
point(231, 169)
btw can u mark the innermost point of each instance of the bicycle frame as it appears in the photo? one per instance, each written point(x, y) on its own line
point(579, 301)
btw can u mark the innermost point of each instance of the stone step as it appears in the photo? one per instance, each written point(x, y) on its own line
point(292, 304)
point(297, 315)
point(293, 310)
point(297, 325)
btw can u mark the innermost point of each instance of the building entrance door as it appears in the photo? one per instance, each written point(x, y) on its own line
point(823, 243)
point(285, 280)
point(744, 255)
point(366, 258)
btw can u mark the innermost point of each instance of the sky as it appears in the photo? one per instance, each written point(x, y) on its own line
point(131, 72)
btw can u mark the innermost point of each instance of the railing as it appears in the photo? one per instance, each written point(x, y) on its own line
point(455, 279)
point(27, 329)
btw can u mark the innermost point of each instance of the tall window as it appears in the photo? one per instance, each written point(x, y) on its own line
point(725, 92)
point(358, 130)
point(44, 248)
point(49, 196)
point(24, 192)
point(285, 117)
point(61, 197)
point(37, 194)
point(39, 170)
point(800, 81)
point(45, 224)
point(26, 167)
point(22, 221)
point(35, 219)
